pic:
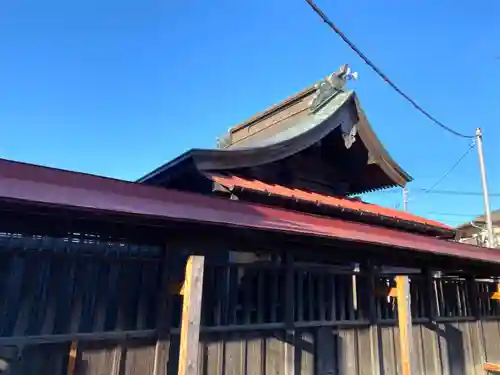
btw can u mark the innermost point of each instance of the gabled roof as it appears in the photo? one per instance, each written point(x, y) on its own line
point(32, 185)
point(495, 218)
point(325, 121)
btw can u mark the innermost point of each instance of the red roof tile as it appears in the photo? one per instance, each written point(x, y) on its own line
point(320, 199)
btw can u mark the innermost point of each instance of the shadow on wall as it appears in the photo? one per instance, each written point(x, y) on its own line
point(319, 351)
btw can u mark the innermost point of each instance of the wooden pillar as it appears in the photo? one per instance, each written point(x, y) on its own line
point(72, 356)
point(404, 322)
point(163, 318)
point(191, 315)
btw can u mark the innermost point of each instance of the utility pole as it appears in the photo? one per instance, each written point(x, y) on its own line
point(405, 199)
point(489, 224)
point(404, 313)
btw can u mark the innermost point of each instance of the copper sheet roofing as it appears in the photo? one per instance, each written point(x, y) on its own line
point(41, 186)
point(231, 182)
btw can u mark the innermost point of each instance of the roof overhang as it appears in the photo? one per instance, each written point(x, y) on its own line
point(40, 186)
point(327, 205)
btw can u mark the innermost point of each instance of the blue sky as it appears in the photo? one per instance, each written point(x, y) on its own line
point(116, 88)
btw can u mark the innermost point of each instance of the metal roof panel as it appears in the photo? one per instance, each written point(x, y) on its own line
point(37, 185)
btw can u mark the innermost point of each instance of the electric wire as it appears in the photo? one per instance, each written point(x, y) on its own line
point(458, 192)
point(462, 193)
point(453, 214)
point(457, 163)
point(326, 20)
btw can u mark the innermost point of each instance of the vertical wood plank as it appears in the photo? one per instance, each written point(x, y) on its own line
point(374, 315)
point(13, 295)
point(191, 313)
point(404, 323)
point(81, 283)
point(117, 360)
point(274, 355)
point(321, 279)
point(333, 298)
point(261, 305)
point(341, 301)
point(388, 350)
point(163, 321)
point(273, 303)
point(305, 353)
point(254, 356)
point(347, 349)
point(418, 356)
point(113, 306)
point(40, 307)
point(101, 297)
point(328, 352)
point(139, 360)
point(65, 296)
point(90, 288)
point(375, 350)
point(491, 339)
point(477, 346)
point(289, 313)
point(29, 295)
point(233, 359)
point(430, 350)
point(300, 295)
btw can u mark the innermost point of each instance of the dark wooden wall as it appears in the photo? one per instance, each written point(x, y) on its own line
point(272, 317)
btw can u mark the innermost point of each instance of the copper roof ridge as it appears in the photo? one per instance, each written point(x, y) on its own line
point(274, 108)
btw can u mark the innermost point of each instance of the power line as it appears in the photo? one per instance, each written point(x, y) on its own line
point(449, 214)
point(438, 192)
point(457, 192)
point(451, 169)
point(325, 19)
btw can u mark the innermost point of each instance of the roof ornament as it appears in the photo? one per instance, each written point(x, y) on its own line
point(349, 132)
point(330, 86)
point(223, 142)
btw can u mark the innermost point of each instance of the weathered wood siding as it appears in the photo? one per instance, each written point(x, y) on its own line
point(453, 348)
point(262, 318)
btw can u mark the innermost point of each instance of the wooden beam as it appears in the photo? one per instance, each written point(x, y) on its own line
point(191, 315)
point(491, 367)
point(404, 322)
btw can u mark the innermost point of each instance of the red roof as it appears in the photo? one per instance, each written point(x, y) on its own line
point(37, 185)
point(232, 182)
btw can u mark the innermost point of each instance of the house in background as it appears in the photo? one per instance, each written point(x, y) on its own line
point(474, 232)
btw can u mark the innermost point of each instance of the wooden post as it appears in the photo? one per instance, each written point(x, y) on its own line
point(191, 314)
point(404, 322)
point(73, 351)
